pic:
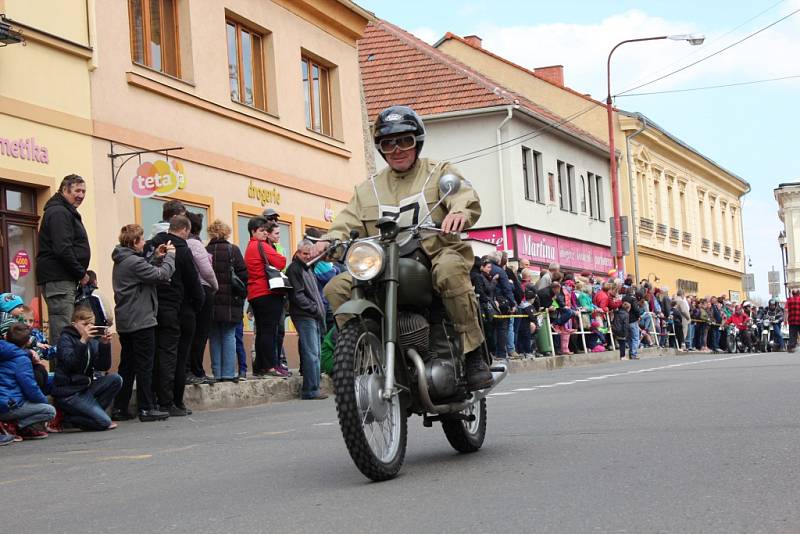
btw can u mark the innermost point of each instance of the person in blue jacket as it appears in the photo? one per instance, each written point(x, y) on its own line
point(21, 400)
point(84, 349)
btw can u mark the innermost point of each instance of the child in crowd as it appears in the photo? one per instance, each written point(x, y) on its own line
point(88, 295)
point(19, 334)
point(8, 303)
point(22, 403)
point(594, 341)
point(83, 349)
point(620, 327)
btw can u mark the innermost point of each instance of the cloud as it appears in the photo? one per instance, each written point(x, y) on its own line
point(583, 49)
point(427, 34)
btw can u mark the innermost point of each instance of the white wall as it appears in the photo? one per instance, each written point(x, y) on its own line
point(452, 138)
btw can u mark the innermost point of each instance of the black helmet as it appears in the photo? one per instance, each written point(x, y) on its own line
point(773, 302)
point(396, 120)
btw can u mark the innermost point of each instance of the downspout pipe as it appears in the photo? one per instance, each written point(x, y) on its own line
point(501, 174)
point(633, 222)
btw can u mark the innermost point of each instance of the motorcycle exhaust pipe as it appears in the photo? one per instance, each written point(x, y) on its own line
point(424, 395)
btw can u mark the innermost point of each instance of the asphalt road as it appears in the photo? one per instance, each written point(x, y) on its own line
point(683, 444)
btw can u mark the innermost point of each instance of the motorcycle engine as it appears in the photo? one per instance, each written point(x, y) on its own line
point(442, 379)
point(414, 332)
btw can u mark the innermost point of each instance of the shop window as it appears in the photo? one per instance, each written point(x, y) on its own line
point(317, 95)
point(246, 65)
point(154, 35)
point(150, 213)
point(18, 226)
point(243, 236)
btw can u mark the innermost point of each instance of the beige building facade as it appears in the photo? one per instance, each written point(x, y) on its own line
point(716, 221)
point(788, 197)
point(231, 106)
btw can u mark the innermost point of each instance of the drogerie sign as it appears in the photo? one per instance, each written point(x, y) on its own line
point(26, 149)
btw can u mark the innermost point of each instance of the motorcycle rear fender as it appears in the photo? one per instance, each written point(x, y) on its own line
point(360, 307)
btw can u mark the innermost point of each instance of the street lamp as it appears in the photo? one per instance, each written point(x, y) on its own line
point(692, 39)
point(784, 260)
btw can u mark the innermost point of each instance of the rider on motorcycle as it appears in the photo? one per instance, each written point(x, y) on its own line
point(408, 188)
point(741, 320)
point(774, 313)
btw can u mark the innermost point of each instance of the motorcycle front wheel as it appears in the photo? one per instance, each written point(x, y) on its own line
point(732, 347)
point(467, 436)
point(374, 429)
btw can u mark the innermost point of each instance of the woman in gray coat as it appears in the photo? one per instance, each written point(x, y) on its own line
point(134, 280)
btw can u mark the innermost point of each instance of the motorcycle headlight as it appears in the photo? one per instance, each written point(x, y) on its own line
point(364, 260)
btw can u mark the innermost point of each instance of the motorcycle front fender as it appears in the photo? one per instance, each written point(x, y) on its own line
point(359, 307)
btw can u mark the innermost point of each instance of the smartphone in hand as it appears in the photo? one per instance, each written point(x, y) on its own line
point(99, 331)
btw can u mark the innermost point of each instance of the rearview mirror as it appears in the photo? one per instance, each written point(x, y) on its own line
point(449, 184)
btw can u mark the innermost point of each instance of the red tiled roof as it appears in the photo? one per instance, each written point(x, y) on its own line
point(398, 68)
point(455, 37)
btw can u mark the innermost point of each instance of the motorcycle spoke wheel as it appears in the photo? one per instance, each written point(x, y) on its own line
point(374, 429)
point(467, 436)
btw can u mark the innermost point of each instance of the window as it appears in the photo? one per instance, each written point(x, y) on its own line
point(531, 170)
point(592, 195)
point(150, 213)
point(317, 94)
point(682, 207)
point(551, 185)
point(18, 242)
point(573, 197)
point(563, 193)
point(657, 194)
point(600, 214)
point(583, 194)
point(246, 65)
point(154, 34)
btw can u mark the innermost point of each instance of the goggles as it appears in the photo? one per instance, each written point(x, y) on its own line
point(406, 142)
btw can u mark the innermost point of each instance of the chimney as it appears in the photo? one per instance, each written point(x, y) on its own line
point(473, 40)
point(553, 74)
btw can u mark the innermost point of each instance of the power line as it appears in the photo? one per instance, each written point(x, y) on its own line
point(768, 26)
point(489, 150)
point(737, 84)
point(715, 40)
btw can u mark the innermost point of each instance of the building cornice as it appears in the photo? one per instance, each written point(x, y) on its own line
point(692, 262)
point(52, 41)
point(341, 18)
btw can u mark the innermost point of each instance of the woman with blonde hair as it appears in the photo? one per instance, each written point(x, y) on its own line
point(228, 301)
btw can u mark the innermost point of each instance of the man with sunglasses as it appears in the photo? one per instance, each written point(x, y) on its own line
point(408, 188)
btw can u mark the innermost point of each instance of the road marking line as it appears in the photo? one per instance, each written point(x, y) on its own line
point(131, 457)
point(523, 389)
point(501, 394)
point(324, 424)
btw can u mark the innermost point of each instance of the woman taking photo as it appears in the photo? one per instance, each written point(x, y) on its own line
point(228, 303)
point(134, 280)
point(267, 305)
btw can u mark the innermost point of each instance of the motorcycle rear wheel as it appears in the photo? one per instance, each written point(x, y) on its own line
point(467, 436)
point(374, 430)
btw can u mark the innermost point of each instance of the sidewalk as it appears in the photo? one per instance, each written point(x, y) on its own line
point(255, 392)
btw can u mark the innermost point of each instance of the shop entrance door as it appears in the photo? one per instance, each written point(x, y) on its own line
point(18, 241)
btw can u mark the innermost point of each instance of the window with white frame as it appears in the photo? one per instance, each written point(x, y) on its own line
point(532, 173)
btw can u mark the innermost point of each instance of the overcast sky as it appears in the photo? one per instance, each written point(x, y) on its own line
point(749, 130)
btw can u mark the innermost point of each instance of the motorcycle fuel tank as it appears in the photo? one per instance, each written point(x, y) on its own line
point(416, 285)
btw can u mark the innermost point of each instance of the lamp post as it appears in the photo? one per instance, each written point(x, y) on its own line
point(784, 261)
point(692, 39)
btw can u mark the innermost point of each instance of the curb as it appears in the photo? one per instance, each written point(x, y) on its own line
point(255, 392)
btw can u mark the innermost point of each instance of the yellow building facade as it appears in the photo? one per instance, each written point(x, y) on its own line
point(45, 126)
point(659, 159)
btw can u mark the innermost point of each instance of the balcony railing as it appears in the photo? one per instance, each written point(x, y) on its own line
point(674, 234)
point(717, 248)
point(727, 252)
point(646, 225)
point(687, 238)
point(661, 230)
point(705, 244)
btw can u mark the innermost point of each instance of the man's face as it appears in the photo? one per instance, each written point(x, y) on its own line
point(304, 254)
point(75, 194)
point(486, 268)
point(524, 264)
point(400, 160)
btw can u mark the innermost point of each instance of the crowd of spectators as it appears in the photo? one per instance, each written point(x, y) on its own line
point(584, 311)
point(174, 297)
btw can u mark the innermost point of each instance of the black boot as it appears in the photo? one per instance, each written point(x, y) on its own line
point(152, 415)
point(478, 374)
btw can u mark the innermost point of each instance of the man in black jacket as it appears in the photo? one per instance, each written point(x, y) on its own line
point(308, 314)
point(183, 293)
point(63, 254)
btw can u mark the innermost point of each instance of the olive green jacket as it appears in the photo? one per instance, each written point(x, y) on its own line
point(362, 212)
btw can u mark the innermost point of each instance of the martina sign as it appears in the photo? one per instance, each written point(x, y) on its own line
point(158, 178)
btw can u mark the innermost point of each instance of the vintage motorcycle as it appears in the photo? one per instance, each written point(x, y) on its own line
point(398, 354)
